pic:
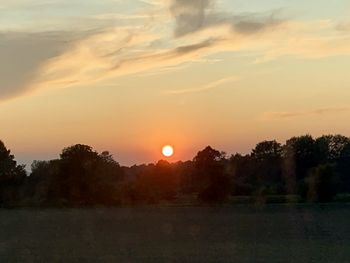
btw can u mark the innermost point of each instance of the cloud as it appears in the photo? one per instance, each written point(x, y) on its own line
point(343, 26)
point(254, 23)
point(270, 116)
point(34, 61)
point(196, 15)
point(120, 51)
point(209, 86)
point(113, 54)
point(22, 54)
point(190, 16)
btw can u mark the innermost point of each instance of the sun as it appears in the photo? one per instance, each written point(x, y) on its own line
point(168, 151)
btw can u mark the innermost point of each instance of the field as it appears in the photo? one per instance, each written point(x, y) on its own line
point(273, 233)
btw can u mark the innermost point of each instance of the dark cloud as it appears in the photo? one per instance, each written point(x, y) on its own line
point(22, 54)
point(191, 48)
point(254, 23)
point(190, 15)
point(196, 15)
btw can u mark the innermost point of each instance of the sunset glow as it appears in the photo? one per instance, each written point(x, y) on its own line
point(175, 130)
point(129, 74)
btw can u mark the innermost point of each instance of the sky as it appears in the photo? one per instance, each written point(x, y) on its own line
point(132, 76)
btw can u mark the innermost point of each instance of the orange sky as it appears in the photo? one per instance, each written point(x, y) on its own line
point(132, 77)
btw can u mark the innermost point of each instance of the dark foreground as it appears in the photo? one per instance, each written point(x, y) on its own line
point(275, 233)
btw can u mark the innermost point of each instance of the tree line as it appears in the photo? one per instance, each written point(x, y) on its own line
point(303, 169)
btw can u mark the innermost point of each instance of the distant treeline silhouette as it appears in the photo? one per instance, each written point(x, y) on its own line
point(303, 170)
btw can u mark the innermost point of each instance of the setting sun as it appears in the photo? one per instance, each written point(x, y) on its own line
point(168, 151)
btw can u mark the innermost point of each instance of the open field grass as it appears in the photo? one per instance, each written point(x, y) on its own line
point(273, 233)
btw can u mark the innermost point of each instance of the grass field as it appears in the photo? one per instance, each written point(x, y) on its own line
point(274, 233)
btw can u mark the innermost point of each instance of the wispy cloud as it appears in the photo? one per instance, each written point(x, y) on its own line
point(209, 86)
point(271, 116)
point(34, 61)
point(22, 54)
point(87, 62)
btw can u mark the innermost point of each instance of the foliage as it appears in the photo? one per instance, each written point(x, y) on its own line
point(11, 177)
point(322, 183)
point(308, 169)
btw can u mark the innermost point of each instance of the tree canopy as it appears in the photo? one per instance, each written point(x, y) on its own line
point(313, 170)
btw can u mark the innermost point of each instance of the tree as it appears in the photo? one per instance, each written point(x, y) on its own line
point(209, 175)
point(11, 177)
point(88, 178)
point(330, 147)
point(105, 180)
point(300, 155)
point(303, 152)
point(242, 172)
point(267, 150)
point(156, 182)
point(343, 168)
point(267, 161)
point(9, 170)
point(43, 182)
point(322, 183)
point(184, 172)
point(315, 169)
point(76, 165)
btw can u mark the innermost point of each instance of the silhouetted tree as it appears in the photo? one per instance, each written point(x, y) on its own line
point(77, 167)
point(267, 158)
point(167, 180)
point(11, 177)
point(242, 171)
point(316, 169)
point(303, 152)
point(87, 178)
point(267, 150)
point(106, 180)
point(156, 183)
point(322, 183)
point(209, 175)
point(42, 185)
point(300, 155)
point(184, 171)
point(343, 168)
point(330, 147)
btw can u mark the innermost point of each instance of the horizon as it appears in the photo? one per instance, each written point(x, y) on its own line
point(132, 77)
point(172, 157)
